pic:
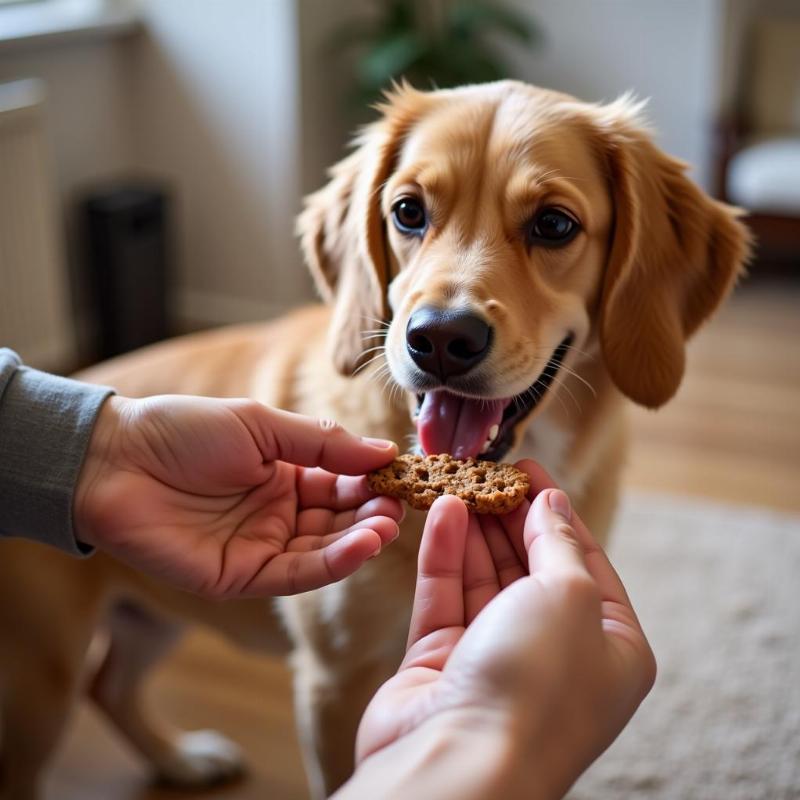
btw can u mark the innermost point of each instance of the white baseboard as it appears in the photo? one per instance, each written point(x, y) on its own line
point(200, 309)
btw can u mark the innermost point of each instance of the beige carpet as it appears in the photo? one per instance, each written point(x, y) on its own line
point(718, 592)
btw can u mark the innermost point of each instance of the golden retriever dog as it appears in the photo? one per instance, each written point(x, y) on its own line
point(502, 266)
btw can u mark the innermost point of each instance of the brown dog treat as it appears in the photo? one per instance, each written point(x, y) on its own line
point(485, 486)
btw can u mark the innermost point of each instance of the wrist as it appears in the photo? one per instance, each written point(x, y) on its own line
point(101, 455)
point(456, 754)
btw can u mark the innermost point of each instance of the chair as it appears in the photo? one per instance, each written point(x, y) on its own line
point(758, 144)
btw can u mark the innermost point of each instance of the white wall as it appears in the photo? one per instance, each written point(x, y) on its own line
point(216, 112)
point(87, 106)
point(206, 98)
point(88, 117)
point(239, 106)
point(327, 122)
point(667, 50)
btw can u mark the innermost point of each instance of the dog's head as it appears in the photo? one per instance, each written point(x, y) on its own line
point(481, 238)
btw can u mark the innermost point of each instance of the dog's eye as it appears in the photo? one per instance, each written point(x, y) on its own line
point(551, 226)
point(409, 216)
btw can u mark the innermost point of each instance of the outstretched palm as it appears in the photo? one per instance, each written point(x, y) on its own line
point(457, 577)
point(207, 494)
point(506, 619)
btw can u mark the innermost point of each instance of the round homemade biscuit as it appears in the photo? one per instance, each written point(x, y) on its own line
point(485, 486)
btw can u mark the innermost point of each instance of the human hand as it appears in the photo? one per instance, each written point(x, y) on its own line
point(521, 633)
point(205, 493)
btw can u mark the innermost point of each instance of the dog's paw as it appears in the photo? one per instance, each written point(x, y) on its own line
point(202, 758)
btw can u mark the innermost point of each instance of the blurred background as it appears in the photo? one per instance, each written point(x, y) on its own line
point(153, 156)
point(216, 117)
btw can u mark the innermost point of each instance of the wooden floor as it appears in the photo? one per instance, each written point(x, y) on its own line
point(732, 434)
point(733, 430)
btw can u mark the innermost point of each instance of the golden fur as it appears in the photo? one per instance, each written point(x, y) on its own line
point(653, 260)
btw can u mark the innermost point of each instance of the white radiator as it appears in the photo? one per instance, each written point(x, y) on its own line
point(34, 294)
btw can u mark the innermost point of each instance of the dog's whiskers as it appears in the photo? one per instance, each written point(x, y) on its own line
point(580, 378)
point(382, 322)
point(388, 384)
point(382, 378)
point(583, 353)
point(559, 383)
point(370, 361)
point(373, 349)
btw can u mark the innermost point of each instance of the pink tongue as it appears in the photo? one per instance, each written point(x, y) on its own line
point(456, 425)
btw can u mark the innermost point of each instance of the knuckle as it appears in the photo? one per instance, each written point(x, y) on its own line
point(247, 406)
point(565, 530)
point(329, 426)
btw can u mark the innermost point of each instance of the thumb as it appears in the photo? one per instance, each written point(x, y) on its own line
point(550, 537)
point(310, 442)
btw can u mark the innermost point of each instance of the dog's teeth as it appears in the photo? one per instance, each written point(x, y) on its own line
point(486, 445)
point(493, 431)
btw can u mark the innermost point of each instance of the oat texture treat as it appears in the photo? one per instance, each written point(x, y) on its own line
point(485, 486)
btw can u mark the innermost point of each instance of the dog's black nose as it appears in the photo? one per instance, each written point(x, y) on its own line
point(446, 343)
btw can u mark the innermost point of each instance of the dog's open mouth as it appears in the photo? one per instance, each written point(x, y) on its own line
point(473, 427)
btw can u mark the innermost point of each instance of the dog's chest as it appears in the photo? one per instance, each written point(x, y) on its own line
point(549, 445)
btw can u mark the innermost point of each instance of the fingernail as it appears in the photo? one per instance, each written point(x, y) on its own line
point(559, 502)
point(383, 444)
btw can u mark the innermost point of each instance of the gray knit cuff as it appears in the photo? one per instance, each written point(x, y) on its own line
point(45, 426)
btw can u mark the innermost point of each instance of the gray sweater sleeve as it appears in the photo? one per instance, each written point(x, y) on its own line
point(45, 425)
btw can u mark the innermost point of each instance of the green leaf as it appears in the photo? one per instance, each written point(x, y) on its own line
point(463, 61)
point(473, 17)
point(400, 17)
point(390, 59)
point(395, 43)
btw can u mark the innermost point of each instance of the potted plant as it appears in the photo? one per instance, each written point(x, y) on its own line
point(430, 43)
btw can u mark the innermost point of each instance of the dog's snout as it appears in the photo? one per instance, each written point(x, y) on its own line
point(447, 343)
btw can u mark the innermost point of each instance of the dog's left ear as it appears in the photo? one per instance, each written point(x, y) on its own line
point(343, 235)
point(675, 255)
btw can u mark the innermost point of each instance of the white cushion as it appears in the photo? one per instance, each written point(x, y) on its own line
point(766, 177)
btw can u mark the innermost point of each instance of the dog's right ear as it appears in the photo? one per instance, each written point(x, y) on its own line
point(343, 234)
point(675, 254)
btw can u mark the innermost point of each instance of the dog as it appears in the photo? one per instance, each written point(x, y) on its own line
point(503, 267)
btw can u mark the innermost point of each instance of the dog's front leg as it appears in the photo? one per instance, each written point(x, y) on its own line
point(138, 641)
point(329, 705)
point(349, 637)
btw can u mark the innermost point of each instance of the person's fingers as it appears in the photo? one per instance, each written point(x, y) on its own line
point(481, 582)
point(596, 560)
point(513, 524)
point(310, 442)
point(321, 521)
point(318, 488)
point(312, 562)
point(559, 543)
point(553, 548)
point(507, 562)
point(439, 596)
point(384, 526)
point(381, 525)
point(540, 478)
